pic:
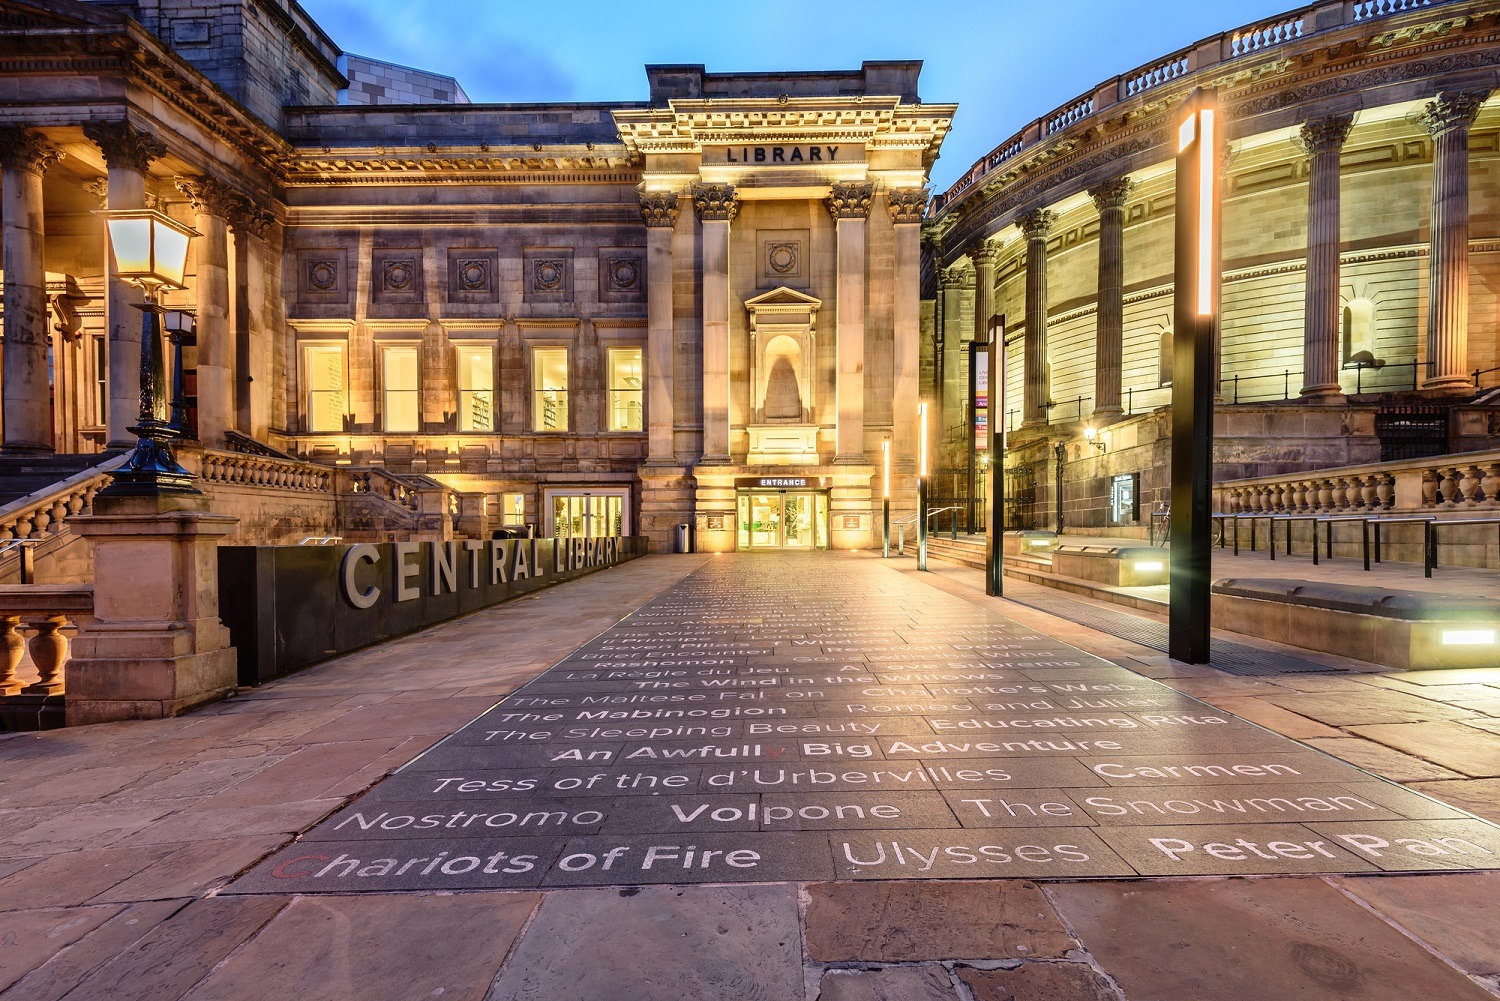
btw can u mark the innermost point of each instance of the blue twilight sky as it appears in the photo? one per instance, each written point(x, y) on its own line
point(1004, 62)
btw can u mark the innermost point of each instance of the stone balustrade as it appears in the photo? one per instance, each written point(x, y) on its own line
point(40, 516)
point(1467, 483)
point(37, 619)
point(247, 470)
point(1206, 56)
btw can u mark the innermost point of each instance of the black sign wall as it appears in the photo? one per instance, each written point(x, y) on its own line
point(290, 606)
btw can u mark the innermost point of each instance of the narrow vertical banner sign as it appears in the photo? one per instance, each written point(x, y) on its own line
point(1200, 137)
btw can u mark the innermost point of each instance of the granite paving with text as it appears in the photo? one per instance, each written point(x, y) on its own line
point(808, 717)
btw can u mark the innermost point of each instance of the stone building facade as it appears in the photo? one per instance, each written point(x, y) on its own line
point(1361, 257)
point(700, 309)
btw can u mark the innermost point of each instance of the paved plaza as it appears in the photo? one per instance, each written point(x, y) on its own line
point(820, 776)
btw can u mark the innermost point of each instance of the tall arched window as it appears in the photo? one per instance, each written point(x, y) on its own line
point(1164, 359)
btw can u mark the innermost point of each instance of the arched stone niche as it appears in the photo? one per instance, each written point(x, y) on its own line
point(783, 384)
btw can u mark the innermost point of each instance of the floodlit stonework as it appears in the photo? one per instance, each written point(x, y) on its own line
point(714, 307)
point(1361, 261)
point(592, 318)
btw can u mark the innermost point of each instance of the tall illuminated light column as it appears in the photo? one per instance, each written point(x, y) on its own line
point(1196, 304)
point(922, 485)
point(885, 500)
point(994, 560)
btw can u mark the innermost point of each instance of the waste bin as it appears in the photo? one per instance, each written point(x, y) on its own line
point(682, 539)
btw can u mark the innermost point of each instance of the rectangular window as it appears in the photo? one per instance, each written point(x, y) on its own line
point(101, 381)
point(326, 399)
point(512, 510)
point(398, 382)
point(476, 388)
point(549, 384)
point(626, 390)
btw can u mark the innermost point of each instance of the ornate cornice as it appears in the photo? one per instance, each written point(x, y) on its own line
point(26, 149)
point(1112, 193)
point(851, 200)
point(659, 208)
point(715, 202)
point(1036, 224)
point(125, 146)
point(906, 204)
point(1452, 110)
point(1324, 135)
point(1326, 68)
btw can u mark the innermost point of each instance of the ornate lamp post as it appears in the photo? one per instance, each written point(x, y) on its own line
point(1196, 280)
point(182, 331)
point(922, 485)
point(150, 251)
point(885, 501)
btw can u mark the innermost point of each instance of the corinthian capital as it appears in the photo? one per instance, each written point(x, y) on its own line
point(1036, 224)
point(211, 196)
point(1324, 135)
point(906, 204)
point(715, 202)
point(986, 255)
point(1112, 193)
point(850, 201)
point(26, 149)
point(124, 146)
point(1452, 110)
point(958, 276)
point(251, 219)
point(659, 208)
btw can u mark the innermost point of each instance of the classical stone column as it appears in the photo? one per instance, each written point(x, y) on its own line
point(214, 202)
point(1322, 139)
point(1448, 118)
point(1035, 225)
point(249, 301)
point(659, 212)
point(906, 206)
point(716, 205)
point(986, 258)
point(849, 204)
point(948, 393)
point(128, 153)
point(1109, 328)
point(25, 156)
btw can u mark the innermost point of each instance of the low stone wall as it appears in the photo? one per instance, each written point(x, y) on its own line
point(290, 606)
point(1117, 566)
point(1405, 630)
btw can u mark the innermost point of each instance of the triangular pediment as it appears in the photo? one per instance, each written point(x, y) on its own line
point(782, 298)
point(43, 15)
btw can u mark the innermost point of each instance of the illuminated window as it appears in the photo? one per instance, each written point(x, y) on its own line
point(588, 514)
point(326, 399)
point(1359, 332)
point(1164, 359)
point(476, 388)
point(549, 384)
point(512, 510)
point(399, 394)
point(626, 395)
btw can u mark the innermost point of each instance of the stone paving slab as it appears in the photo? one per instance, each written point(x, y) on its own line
point(808, 717)
point(1250, 940)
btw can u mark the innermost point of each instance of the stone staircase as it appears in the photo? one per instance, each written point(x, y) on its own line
point(22, 475)
point(966, 550)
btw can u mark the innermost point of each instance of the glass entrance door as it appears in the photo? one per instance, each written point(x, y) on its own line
point(783, 520)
